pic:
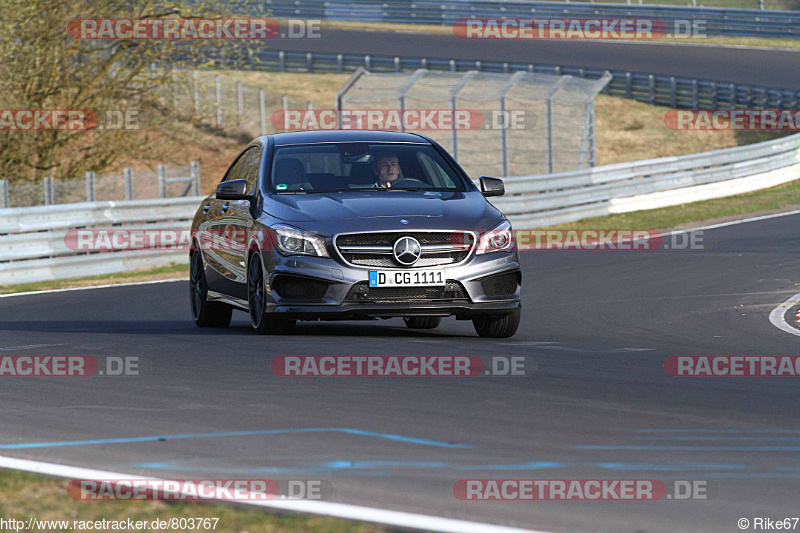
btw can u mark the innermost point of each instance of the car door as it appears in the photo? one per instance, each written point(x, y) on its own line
point(240, 221)
point(226, 275)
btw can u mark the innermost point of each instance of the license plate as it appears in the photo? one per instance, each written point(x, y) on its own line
point(406, 278)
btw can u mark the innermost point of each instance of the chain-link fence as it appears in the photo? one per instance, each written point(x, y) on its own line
point(500, 124)
point(162, 182)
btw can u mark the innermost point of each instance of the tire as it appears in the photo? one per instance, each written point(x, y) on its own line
point(497, 326)
point(204, 313)
point(422, 322)
point(263, 322)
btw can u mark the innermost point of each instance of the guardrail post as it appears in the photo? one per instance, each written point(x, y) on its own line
point(367, 62)
point(310, 62)
point(694, 94)
point(90, 189)
point(4, 193)
point(49, 191)
point(651, 80)
point(262, 106)
point(195, 173)
point(285, 102)
point(628, 84)
point(281, 61)
point(162, 181)
point(239, 103)
point(673, 92)
point(396, 64)
point(734, 98)
point(218, 91)
point(128, 174)
point(339, 63)
point(714, 95)
point(452, 65)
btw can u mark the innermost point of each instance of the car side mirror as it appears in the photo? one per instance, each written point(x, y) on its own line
point(492, 186)
point(233, 190)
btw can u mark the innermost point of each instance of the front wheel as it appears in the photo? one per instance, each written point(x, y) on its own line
point(262, 321)
point(422, 322)
point(497, 326)
point(205, 314)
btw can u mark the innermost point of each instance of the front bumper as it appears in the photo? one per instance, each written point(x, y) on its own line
point(331, 297)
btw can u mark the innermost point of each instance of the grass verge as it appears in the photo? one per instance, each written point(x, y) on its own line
point(36, 496)
point(777, 199)
point(171, 271)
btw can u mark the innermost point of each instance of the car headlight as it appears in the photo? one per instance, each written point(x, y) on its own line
point(292, 241)
point(498, 239)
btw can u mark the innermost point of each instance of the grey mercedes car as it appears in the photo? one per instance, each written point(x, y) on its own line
point(353, 225)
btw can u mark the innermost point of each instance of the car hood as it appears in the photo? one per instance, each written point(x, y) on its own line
point(329, 212)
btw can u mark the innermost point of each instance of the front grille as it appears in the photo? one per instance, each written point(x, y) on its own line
point(297, 288)
point(361, 292)
point(460, 245)
point(500, 284)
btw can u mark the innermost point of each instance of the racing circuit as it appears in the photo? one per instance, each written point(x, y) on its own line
point(595, 402)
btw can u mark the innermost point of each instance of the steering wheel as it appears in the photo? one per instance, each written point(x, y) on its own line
point(411, 183)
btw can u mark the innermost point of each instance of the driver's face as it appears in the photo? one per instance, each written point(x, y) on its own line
point(387, 168)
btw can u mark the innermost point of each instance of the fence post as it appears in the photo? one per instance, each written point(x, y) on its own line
point(239, 102)
point(3, 193)
point(48, 191)
point(196, 93)
point(174, 89)
point(90, 187)
point(263, 108)
point(128, 173)
point(162, 181)
point(218, 90)
point(195, 172)
point(285, 101)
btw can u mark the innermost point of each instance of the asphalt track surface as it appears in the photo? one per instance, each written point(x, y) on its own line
point(761, 67)
point(595, 401)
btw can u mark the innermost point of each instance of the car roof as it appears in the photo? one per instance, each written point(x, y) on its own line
point(333, 136)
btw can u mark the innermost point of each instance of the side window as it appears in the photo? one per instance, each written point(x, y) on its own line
point(246, 167)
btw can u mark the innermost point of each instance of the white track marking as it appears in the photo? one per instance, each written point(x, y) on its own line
point(778, 315)
point(50, 291)
point(338, 510)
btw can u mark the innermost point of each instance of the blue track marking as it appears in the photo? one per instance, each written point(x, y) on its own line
point(334, 466)
point(156, 438)
point(693, 448)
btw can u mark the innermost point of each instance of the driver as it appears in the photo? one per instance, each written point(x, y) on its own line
point(386, 168)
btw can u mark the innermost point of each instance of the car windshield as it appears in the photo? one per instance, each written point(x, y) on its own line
point(339, 167)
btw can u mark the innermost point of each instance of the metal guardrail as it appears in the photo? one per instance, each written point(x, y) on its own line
point(33, 240)
point(33, 245)
point(672, 91)
point(716, 21)
point(535, 201)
